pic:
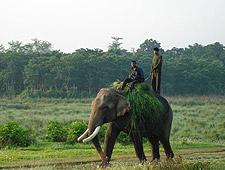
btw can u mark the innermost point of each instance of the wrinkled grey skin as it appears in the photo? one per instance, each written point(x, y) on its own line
point(110, 106)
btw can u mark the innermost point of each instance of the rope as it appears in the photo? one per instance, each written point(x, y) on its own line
point(148, 76)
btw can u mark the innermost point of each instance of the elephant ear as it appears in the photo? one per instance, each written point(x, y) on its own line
point(123, 105)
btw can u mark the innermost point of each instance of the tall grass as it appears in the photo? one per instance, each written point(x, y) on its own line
point(34, 113)
point(198, 118)
point(195, 118)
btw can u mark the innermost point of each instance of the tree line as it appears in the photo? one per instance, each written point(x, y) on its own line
point(36, 69)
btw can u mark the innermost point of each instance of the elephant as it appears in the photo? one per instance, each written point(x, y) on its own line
point(111, 106)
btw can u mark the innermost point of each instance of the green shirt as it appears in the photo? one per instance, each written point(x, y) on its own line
point(156, 63)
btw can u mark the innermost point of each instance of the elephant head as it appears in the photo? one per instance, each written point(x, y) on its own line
point(108, 105)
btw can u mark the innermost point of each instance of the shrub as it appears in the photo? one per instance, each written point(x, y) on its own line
point(26, 94)
point(12, 134)
point(102, 132)
point(55, 131)
point(124, 138)
point(76, 129)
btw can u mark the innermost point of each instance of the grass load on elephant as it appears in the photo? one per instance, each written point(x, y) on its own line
point(145, 107)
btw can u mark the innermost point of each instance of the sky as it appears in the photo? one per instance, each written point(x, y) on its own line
point(74, 24)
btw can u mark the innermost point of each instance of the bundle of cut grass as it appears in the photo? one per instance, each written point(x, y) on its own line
point(145, 107)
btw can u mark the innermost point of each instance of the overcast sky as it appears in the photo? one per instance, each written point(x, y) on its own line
point(74, 24)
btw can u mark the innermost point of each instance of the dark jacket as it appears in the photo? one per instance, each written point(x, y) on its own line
point(137, 74)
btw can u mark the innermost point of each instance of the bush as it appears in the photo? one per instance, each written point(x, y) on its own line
point(12, 134)
point(76, 129)
point(26, 94)
point(124, 138)
point(55, 131)
point(101, 134)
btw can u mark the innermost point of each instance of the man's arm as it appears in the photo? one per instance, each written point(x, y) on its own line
point(151, 71)
point(158, 64)
point(130, 74)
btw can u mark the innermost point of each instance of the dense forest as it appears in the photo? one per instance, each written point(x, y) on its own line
point(36, 69)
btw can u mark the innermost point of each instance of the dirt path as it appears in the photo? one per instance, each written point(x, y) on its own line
point(128, 160)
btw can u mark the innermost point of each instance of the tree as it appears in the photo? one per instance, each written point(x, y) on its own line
point(146, 48)
point(15, 46)
point(37, 73)
point(12, 66)
point(195, 70)
point(38, 46)
point(2, 48)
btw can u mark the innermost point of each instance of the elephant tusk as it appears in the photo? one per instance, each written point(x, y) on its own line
point(83, 135)
point(92, 135)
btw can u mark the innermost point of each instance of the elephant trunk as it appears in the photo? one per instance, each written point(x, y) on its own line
point(95, 122)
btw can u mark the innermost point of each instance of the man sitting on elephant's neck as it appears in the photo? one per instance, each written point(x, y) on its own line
point(136, 76)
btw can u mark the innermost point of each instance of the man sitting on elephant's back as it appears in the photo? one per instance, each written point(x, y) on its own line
point(136, 76)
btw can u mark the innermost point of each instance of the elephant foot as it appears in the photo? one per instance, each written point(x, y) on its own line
point(170, 155)
point(169, 159)
point(154, 161)
point(143, 162)
point(104, 164)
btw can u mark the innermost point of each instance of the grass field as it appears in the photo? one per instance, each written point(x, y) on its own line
point(36, 112)
point(84, 156)
point(198, 134)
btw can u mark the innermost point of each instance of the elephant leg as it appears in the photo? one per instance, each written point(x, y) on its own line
point(138, 146)
point(110, 139)
point(167, 148)
point(154, 147)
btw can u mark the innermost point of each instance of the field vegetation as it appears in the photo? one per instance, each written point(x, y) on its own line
point(198, 135)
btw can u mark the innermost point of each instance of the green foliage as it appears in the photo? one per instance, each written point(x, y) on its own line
point(48, 73)
point(145, 107)
point(46, 94)
point(75, 130)
point(26, 94)
point(102, 132)
point(55, 131)
point(123, 138)
point(12, 134)
point(118, 84)
point(194, 118)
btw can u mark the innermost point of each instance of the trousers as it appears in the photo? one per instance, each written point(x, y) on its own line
point(128, 80)
point(155, 82)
